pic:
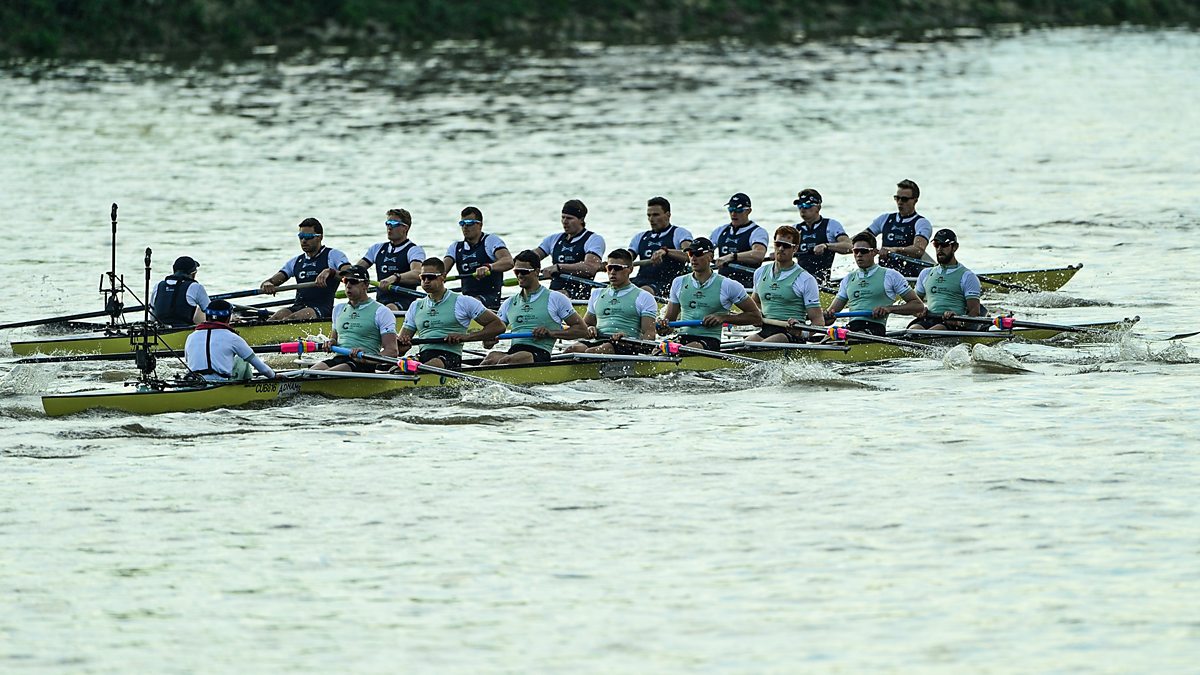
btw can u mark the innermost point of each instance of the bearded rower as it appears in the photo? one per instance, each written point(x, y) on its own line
point(445, 315)
point(217, 353)
point(360, 324)
point(872, 288)
point(397, 261)
point(948, 289)
point(538, 310)
point(619, 310)
point(707, 296)
point(317, 263)
point(786, 291)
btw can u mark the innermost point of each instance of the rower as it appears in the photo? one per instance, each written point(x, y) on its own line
point(948, 289)
point(536, 309)
point(445, 315)
point(741, 241)
point(663, 246)
point(619, 310)
point(217, 353)
point(786, 291)
point(318, 263)
point(905, 232)
point(482, 259)
point(707, 296)
point(179, 300)
point(820, 237)
point(397, 261)
point(360, 324)
point(873, 288)
point(576, 251)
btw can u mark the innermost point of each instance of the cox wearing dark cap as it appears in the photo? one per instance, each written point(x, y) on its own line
point(576, 251)
point(179, 300)
point(948, 289)
point(740, 242)
point(820, 237)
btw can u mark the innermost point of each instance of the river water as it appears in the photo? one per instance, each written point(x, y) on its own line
point(924, 515)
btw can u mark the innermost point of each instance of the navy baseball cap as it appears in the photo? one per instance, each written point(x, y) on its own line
point(185, 265)
point(946, 236)
point(738, 201)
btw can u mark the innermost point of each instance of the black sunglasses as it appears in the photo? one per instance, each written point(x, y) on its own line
point(784, 244)
point(616, 268)
point(428, 276)
point(902, 199)
point(522, 271)
point(863, 251)
point(694, 253)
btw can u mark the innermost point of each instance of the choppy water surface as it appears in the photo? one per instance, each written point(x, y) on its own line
point(924, 515)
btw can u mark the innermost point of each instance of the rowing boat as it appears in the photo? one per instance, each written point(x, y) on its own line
point(182, 397)
point(167, 339)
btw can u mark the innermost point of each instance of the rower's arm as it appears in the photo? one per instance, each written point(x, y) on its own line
point(504, 261)
point(590, 265)
point(198, 315)
point(678, 254)
point(912, 305)
point(815, 316)
point(836, 306)
point(364, 263)
point(390, 346)
point(274, 280)
point(492, 326)
point(749, 316)
point(448, 262)
point(646, 328)
point(404, 337)
point(916, 250)
point(575, 328)
point(974, 308)
point(672, 312)
point(842, 245)
point(754, 257)
point(412, 276)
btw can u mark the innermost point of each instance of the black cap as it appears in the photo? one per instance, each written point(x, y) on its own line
point(355, 272)
point(701, 245)
point(185, 265)
point(807, 196)
point(739, 201)
point(946, 236)
point(218, 309)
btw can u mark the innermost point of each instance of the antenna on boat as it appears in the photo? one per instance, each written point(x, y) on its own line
point(143, 353)
point(112, 305)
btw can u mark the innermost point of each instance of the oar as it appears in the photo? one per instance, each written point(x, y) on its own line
point(409, 365)
point(669, 348)
point(282, 348)
point(470, 338)
point(139, 308)
point(1008, 323)
point(838, 333)
point(981, 277)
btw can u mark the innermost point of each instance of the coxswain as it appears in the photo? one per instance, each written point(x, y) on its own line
point(360, 324)
point(785, 291)
point(663, 248)
point(740, 241)
point(820, 237)
point(481, 258)
point(707, 296)
point(948, 288)
point(538, 310)
point(905, 231)
point(618, 310)
point(445, 315)
point(179, 300)
point(577, 251)
point(397, 261)
point(217, 353)
point(872, 288)
point(318, 263)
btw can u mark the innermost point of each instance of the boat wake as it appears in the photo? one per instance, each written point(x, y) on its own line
point(23, 379)
point(983, 358)
point(1045, 300)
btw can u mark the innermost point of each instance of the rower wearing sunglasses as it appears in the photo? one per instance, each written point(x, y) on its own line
point(703, 295)
point(820, 237)
point(397, 261)
point(481, 258)
point(872, 288)
point(360, 324)
point(538, 310)
point(443, 316)
point(740, 241)
point(618, 310)
point(786, 291)
point(576, 251)
point(905, 231)
point(948, 289)
point(317, 263)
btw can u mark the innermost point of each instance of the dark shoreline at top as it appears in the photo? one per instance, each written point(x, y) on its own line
point(189, 30)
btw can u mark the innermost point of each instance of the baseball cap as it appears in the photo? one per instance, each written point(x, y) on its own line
point(185, 265)
point(807, 196)
point(355, 272)
point(738, 201)
point(946, 236)
point(701, 245)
